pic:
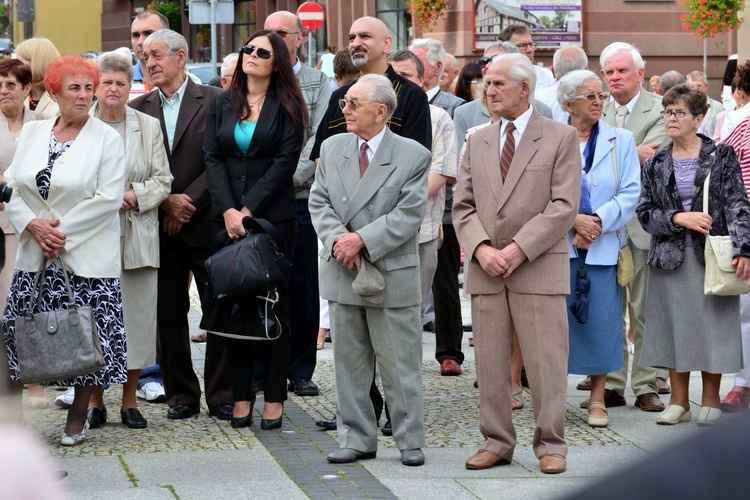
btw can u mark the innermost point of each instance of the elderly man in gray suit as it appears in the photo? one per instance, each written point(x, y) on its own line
point(432, 54)
point(367, 204)
point(638, 111)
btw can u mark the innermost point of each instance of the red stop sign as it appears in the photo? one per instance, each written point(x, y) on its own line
point(311, 15)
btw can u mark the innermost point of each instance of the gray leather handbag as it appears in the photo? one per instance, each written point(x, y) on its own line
point(59, 344)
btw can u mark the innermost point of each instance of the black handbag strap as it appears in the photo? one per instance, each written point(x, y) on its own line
point(36, 293)
point(263, 226)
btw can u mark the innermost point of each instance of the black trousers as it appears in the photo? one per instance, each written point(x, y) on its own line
point(448, 325)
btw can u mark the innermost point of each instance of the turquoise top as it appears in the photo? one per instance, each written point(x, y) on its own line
point(243, 134)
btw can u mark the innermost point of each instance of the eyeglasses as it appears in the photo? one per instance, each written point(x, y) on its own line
point(679, 113)
point(524, 46)
point(11, 86)
point(284, 33)
point(353, 105)
point(476, 82)
point(592, 96)
point(259, 51)
point(484, 60)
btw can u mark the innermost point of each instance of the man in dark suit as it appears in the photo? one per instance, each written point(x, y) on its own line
point(186, 232)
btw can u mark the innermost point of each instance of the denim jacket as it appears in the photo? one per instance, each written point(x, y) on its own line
point(727, 205)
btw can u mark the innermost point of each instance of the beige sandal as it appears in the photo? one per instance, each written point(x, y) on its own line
point(598, 420)
point(517, 398)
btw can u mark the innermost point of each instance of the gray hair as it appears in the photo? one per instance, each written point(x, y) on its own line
point(434, 50)
point(614, 48)
point(568, 85)
point(115, 62)
point(381, 92)
point(453, 60)
point(173, 40)
point(519, 70)
point(507, 47)
point(697, 76)
point(567, 59)
point(669, 80)
point(229, 61)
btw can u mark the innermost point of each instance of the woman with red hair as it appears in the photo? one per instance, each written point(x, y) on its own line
point(68, 179)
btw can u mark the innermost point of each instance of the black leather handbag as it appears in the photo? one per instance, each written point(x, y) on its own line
point(248, 267)
point(250, 319)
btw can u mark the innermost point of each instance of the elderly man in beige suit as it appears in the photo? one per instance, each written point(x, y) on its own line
point(517, 196)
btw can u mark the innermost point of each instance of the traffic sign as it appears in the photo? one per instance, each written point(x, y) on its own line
point(311, 15)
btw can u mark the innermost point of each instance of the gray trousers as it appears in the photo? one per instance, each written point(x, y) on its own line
point(394, 337)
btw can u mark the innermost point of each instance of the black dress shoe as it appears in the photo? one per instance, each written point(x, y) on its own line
point(178, 412)
point(268, 424)
point(96, 417)
point(348, 455)
point(222, 412)
point(303, 387)
point(466, 327)
point(412, 457)
point(133, 419)
point(387, 430)
point(429, 327)
point(327, 425)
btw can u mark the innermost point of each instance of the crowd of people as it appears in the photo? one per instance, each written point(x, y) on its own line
point(576, 199)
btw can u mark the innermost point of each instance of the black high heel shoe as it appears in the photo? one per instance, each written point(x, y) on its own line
point(96, 417)
point(268, 424)
point(247, 420)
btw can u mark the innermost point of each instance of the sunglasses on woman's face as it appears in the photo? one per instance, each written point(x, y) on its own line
point(261, 52)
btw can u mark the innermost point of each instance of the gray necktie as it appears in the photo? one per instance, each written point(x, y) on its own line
point(622, 112)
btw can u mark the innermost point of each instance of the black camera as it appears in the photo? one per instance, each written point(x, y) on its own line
point(5, 193)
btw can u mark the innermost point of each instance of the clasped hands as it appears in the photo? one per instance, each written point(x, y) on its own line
point(233, 222)
point(129, 201)
point(347, 248)
point(587, 228)
point(50, 239)
point(179, 209)
point(497, 262)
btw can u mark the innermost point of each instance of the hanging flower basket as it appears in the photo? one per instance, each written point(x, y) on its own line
point(708, 18)
point(427, 12)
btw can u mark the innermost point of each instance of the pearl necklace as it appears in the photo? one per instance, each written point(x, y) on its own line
point(686, 165)
point(253, 103)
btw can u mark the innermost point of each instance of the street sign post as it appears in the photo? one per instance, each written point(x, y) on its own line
point(211, 12)
point(312, 16)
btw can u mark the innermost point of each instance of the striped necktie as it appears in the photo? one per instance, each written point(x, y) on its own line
point(509, 149)
point(364, 162)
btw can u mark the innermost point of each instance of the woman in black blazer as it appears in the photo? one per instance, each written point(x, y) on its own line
point(254, 134)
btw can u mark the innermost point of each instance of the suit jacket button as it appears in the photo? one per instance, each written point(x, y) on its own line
point(242, 178)
point(500, 217)
point(343, 200)
point(369, 207)
point(595, 183)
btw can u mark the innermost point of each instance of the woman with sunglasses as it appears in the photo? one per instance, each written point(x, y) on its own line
point(685, 329)
point(254, 134)
point(469, 82)
point(610, 185)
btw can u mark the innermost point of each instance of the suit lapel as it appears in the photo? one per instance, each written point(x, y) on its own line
point(376, 174)
point(525, 151)
point(604, 145)
point(153, 108)
point(641, 109)
point(228, 120)
point(491, 158)
point(191, 103)
point(266, 120)
point(132, 134)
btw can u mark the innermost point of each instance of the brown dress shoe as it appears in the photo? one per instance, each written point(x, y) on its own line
point(449, 368)
point(552, 464)
point(611, 399)
point(649, 402)
point(663, 386)
point(484, 459)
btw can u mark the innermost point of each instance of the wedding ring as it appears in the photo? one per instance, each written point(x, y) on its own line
point(593, 236)
point(47, 241)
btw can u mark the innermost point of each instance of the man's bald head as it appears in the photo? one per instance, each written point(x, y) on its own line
point(369, 43)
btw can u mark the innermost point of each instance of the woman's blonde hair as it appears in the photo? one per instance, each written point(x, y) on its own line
point(39, 52)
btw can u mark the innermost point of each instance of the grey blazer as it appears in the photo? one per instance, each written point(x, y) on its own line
point(385, 207)
point(447, 102)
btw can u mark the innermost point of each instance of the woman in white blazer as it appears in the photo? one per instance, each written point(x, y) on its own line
point(68, 179)
point(610, 186)
point(148, 182)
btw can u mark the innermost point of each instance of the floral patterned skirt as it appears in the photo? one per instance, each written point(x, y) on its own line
point(102, 294)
